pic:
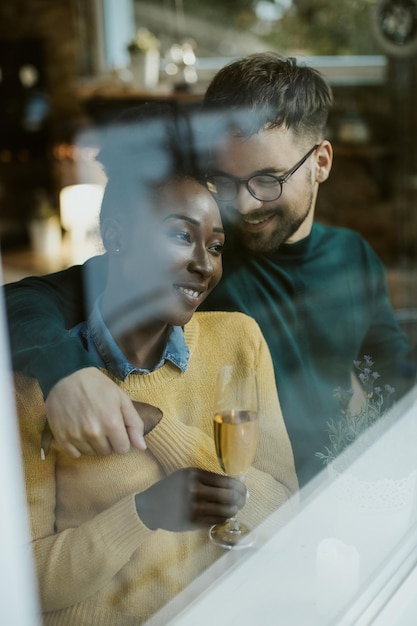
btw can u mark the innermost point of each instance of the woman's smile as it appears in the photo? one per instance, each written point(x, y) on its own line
point(190, 292)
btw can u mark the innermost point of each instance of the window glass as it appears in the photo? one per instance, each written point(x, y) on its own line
point(224, 29)
point(157, 194)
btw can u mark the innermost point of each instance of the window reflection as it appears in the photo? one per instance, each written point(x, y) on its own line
point(341, 540)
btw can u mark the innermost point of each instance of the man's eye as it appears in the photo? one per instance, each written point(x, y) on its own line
point(266, 181)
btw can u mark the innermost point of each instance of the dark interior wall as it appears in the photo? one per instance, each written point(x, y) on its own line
point(38, 104)
point(359, 193)
point(402, 81)
point(373, 183)
point(55, 25)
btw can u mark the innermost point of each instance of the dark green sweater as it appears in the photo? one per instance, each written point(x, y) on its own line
point(321, 303)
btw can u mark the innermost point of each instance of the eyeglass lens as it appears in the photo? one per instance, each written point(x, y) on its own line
point(261, 187)
point(264, 187)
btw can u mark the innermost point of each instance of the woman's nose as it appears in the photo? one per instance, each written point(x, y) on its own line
point(201, 261)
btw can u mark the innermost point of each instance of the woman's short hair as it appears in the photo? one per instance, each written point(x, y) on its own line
point(143, 149)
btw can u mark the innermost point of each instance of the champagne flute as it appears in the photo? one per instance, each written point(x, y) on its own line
point(236, 427)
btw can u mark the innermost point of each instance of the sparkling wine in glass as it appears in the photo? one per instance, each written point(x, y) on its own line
point(236, 428)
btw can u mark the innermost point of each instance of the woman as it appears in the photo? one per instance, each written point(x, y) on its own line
point(115, 537)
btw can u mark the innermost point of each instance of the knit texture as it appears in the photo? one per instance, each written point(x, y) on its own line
point(97, 562)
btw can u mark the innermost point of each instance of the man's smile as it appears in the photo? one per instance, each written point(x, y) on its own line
point(256, 220)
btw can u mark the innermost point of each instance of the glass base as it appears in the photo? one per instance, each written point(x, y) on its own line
point(232, 534)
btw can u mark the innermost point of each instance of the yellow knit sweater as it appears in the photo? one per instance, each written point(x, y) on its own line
point(97, 563)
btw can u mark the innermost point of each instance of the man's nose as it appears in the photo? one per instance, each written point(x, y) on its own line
point(245, 201)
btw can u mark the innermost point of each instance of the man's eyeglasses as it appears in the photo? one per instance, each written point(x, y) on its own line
point(264, 187)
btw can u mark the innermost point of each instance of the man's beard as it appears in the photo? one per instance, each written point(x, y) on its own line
point(271, 242)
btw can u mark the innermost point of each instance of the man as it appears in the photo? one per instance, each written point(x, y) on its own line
point(318, 293)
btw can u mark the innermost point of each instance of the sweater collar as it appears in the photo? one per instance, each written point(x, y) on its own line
point(103, 347)
point(298, 249)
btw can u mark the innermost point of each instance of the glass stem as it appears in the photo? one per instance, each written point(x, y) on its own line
point(233, 524)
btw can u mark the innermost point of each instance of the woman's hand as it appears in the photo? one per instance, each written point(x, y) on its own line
point(89, 414)
point(150, 415)
point(190, 498)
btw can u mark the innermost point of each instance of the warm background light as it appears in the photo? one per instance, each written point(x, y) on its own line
point(79, 209)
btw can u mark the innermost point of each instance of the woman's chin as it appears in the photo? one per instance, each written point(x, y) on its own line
point(179, 318)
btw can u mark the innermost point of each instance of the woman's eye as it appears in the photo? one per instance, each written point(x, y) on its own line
point(180, 235)
point(217, 248)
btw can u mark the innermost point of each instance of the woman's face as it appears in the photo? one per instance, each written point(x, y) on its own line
point(184, 250)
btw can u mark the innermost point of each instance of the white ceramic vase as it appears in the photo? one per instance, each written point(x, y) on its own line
point(145, 69)
point(45, 236)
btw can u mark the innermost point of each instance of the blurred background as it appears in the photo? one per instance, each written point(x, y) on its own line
point(68, 68)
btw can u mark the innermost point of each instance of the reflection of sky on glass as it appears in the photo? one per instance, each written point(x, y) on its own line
point(138, 160)
point(271, 11)
point(339, 560)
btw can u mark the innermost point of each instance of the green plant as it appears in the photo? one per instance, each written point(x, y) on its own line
point(349, 425)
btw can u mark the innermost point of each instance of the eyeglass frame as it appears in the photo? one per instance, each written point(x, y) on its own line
point(245, 181)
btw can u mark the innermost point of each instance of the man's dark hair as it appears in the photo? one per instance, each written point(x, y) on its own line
point(272, 91)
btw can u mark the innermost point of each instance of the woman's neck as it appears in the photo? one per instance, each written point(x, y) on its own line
point(143, 347)
point(142, 344)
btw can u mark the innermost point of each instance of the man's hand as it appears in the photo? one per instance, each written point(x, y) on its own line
point(89, 414)
point(190, 498)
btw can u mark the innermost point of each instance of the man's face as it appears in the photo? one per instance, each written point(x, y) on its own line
point(264, 226)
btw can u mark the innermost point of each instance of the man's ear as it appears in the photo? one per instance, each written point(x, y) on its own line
point(324, 160)
point(112, 234)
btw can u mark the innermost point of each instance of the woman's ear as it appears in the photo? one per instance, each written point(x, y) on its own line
point(112, 235)
point(324, 161)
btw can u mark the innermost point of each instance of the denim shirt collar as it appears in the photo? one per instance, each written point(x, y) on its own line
point(105, 351)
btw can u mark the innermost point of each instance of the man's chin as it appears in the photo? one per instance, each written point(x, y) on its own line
point(259, 244)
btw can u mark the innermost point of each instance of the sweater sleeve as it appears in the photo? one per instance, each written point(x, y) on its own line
point(176, 445)
point(73, 563)
point(39, 312)
point(272, 479)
